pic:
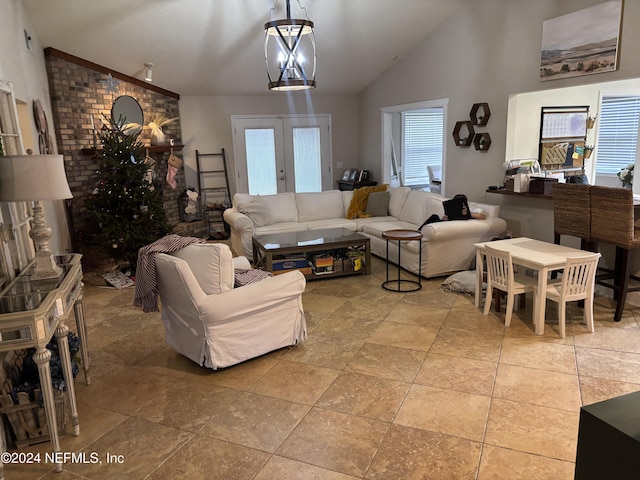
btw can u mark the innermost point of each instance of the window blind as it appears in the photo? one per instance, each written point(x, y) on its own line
point(422, 143)
point(617, 133)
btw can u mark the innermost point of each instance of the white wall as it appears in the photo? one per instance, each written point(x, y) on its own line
point(486, 52)
point(26, 70)
point(206, 124)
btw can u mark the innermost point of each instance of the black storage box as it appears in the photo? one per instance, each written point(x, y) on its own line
point(542, 185)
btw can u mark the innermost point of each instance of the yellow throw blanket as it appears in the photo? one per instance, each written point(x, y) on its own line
point(358, 203)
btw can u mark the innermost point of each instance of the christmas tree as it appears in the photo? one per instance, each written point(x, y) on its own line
point(125, 204)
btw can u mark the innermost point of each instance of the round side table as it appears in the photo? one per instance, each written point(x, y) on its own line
point(397, 284)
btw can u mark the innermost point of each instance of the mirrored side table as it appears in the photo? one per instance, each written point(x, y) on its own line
point(31, 312)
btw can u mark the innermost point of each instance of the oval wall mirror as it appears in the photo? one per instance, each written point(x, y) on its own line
point(127, 111)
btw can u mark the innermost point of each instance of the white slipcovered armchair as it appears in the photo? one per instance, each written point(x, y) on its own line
point(216, 325)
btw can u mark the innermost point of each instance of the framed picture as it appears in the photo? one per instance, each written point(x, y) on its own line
point(346, 175)
point(582, 42)
point(354, 175)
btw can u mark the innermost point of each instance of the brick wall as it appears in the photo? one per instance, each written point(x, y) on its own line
point(78, 92)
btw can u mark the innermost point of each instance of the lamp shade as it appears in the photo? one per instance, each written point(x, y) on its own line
point(33, 177)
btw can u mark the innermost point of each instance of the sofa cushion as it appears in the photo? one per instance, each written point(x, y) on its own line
point(283, 207)
point(397, 197)
point(359, 201)
point(257, 210)
point(347, 195)
point(319, 205)
point(414, 209)
point(211, 264)
point(378, 204)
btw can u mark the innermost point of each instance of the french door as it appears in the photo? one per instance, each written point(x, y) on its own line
point(282, 154)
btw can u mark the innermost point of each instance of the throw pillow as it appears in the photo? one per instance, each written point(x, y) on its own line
point(378, 204)
point(258, 211)
point(464, 282)
point(359, 201)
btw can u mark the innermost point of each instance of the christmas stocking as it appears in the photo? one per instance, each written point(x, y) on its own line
point(174, 163)
point(171, 176)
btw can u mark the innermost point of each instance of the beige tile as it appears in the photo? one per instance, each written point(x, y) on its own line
point(94, 422)
point(347, 326)
point(335, 441)
point(241, 376)
point(457, 373)
point(523, 328)
point(538, 387)
point(295, 382)
point(171, 407)
point(204, 457)
point(411, 314)
point(598, 389)
point(445, 411)
point(607, 338)
point(409, 453)
point(124, 391)
point(286, 469)
point(462, 343)
point(501, 463)
point(431, 296)
point(538, 354)
point(374, 307)
point(319, 303)
point(412, 337)
point(608, 365)
point(256, 421)
point(313, 319)
point(143, 445)
point(545, 431)
point(466, 316)
point(387, 362)
point(323, 351)
point(364, 396)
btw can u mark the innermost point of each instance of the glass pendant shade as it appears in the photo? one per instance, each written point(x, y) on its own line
point(290, 53)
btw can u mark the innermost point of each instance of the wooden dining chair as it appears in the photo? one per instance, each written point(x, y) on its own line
point(577, 283)
point(501, 276)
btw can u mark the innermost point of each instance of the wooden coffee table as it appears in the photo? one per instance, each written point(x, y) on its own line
point(310, 242)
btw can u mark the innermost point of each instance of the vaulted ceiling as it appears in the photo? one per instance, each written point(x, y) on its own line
point(216, 47)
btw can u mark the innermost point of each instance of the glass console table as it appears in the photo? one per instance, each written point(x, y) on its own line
point(31, 312)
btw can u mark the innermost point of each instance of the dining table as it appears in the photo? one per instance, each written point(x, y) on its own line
point(538, 256)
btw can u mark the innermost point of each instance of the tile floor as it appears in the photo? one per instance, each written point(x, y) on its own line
point(388, 386)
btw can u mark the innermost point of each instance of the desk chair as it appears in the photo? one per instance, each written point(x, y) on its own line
point(578, 281)
point(612, 221)
point(500, 275)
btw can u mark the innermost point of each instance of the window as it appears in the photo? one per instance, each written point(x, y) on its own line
point(16, 247)
point(617, 133)
point(422, 144)
point(413, 139)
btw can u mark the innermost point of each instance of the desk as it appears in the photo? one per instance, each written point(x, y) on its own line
point(540, 256)
point(31, 312)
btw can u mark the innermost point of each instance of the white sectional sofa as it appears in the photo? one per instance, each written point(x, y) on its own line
point(447, 247)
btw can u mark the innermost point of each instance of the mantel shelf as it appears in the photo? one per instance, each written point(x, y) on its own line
point(151, 149)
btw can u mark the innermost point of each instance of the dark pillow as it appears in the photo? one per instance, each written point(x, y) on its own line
point(457, 208)
point(378, 204)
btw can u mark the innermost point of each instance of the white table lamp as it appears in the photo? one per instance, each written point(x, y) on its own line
point(35, 178)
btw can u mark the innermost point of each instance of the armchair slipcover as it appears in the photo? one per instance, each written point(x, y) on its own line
point(216, 325)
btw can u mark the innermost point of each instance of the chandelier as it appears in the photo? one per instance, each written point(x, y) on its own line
point(290, 53)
